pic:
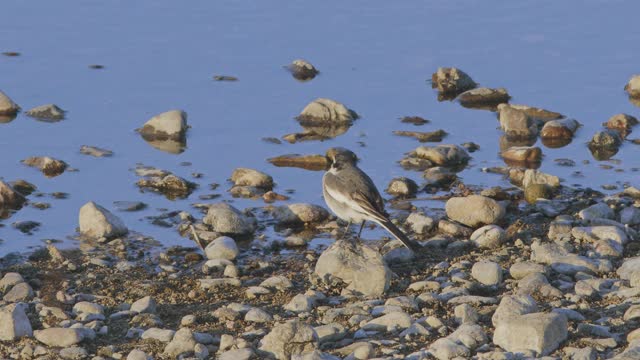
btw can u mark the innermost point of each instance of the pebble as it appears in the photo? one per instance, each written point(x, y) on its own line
point(162, 335)
point(390, 322)
point(226, 219)
point(258, 316)
point(59, 337)
point(474, 210)
point(487, 272)
point(489, 237)
point(300, 214)
point(145, 305)
point(223, 247)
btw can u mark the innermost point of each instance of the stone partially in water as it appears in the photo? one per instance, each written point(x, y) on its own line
point(170, 125)
point(251, 177)
point(448, 155)
point(522, 155)
point(516, 123)
point(559, 129)
point(7, 106)
point(307, 162)
point(533, 192)
point(326, 111)
point(532, 176)
point(97, 222)
point(605, 144)
point(300, 214)
point(9, 198)
point(484, 98)
point(361, 267)
point(633, 86)
point(622, 123)
point(50, 167)
point(48, 112)
point(451, 81)
point(302, 70)
point(402, 187)
point(170, 185)
point(533, 112)
point(226, 219)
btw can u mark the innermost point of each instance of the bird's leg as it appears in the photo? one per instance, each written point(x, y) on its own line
point(361, 227)
point(346, 229)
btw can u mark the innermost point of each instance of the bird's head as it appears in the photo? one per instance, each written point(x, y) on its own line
point(339, 155)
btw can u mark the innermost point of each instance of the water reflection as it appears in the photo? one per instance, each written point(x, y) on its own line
point(169, 146)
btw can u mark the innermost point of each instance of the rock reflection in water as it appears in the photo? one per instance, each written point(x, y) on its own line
point(169, 146)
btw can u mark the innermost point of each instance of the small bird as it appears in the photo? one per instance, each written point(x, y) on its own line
point(353, 197)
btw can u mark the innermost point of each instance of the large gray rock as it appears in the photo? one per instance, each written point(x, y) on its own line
point(223, 247)
point(325, 112)
point(447, 155)
point(474, 210)
point(288, 339)
point(59, 337)
point(300, 214)
point(390, 322)
point(14, 323)
point(7, 106)
point(182, 343)
point(361, 267)
point(226, 219)
point(513, 305)
point(489, 237)
point(170, 125)
point(97, 222)
point(538, 332)
point(516, 123)
point(487, 272)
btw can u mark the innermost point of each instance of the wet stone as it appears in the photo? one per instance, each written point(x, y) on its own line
point(474, 210)
point(302, 70)
point(484, 98)
point(7, 106)
point(451, 81)
point(49, 112)
point(402, 187)
point(170, 125)
point(326, 111)
point(95, 151)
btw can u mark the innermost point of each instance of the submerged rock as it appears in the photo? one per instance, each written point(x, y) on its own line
point(307, 162)
point(451, 81)
point(633, 86)
point(604, 144)
point(474, 210)
point(7, 106)
point(226, 219)
point(95, 151)
point(170, 125)
point(302, 70)
point(415, 120)
point(49, 112)
point(360, 267)
point(484, 98)
point(97, 222)
point(50, 167)
point(433, 136)
point(326, 111)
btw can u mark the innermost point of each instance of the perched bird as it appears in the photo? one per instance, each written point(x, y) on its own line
point(353, 197)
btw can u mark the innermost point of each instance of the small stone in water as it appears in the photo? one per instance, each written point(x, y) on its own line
point(225, 78)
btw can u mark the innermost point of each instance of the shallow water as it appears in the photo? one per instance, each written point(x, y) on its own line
point(374, 56)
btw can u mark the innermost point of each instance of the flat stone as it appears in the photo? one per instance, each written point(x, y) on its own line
point(389, 322)
point(162, 335)
point(14, 323)
point(539, 332)
point(59, 337)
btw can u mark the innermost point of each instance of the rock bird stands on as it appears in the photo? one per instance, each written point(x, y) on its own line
point(353, 197)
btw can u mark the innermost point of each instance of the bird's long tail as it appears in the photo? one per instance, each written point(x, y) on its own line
point(398, 234)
